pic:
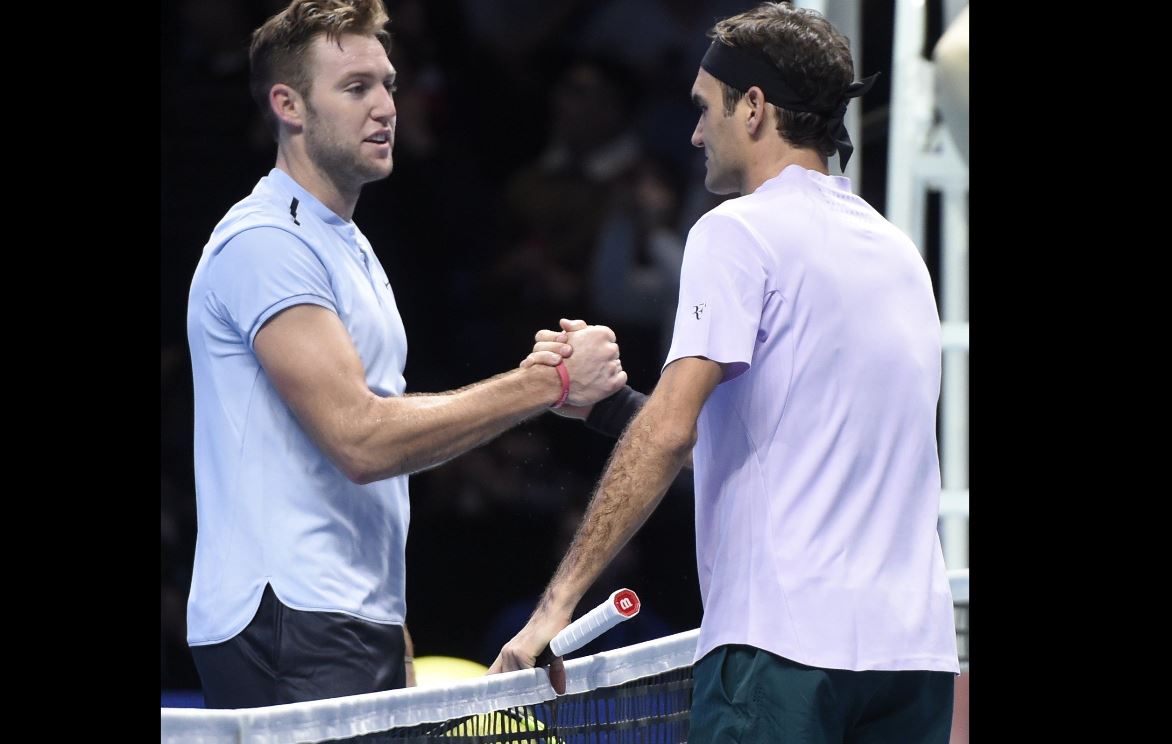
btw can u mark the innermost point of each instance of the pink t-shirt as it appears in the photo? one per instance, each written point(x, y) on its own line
point(816, 470)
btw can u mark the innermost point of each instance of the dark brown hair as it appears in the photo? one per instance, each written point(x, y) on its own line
point(813, 58)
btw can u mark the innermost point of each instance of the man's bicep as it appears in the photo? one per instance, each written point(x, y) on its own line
point(311, 361)
point(686, 384)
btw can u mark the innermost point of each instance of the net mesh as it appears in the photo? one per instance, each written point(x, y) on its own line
point(652, 710)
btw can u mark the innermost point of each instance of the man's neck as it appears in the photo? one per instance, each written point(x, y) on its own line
point(301, 169)
point(770, 165)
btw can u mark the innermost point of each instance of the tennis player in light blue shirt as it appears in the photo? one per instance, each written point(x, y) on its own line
point(304, 436)
point(272, 507)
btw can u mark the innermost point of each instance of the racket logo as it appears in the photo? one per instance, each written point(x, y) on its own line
point(624, 604)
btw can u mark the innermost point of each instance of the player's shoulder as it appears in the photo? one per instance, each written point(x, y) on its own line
point(727, 224)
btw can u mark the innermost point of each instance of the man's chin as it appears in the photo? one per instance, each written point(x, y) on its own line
point(715, 186)
point(379, 173)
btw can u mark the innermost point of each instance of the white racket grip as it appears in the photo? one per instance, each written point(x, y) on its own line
point(620, 606)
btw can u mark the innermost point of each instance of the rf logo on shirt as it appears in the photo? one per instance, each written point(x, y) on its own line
point(699, 309)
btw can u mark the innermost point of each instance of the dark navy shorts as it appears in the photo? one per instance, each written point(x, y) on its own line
point(745, 694)
point(290, 656)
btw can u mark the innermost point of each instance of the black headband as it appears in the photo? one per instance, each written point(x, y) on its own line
point(742, 69)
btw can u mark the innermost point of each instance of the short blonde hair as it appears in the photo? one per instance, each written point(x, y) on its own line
point(279, 47)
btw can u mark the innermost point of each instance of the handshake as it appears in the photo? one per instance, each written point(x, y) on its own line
point(591, 358)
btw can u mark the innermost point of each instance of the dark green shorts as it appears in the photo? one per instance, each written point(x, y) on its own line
point(744, 694)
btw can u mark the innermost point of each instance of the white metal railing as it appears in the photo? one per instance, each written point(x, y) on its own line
point(922, 158)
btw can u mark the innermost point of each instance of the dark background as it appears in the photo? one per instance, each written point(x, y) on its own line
point(542, 170)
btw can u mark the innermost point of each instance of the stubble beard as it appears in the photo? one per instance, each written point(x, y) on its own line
point(345, 167)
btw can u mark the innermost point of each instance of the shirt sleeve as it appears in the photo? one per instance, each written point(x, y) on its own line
point(722, 294)
point(262, 271)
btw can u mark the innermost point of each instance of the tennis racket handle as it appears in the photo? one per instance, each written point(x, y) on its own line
point(622, 605)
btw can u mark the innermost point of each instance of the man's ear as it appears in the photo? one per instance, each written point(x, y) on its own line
point(287, 105)
point(755, 97)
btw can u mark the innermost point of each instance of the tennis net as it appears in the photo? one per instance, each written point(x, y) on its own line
point(640, 693)
point(637, 693)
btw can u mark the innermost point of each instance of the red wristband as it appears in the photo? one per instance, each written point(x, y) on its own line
point(565, 375)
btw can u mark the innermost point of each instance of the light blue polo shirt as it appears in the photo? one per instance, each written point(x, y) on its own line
point(817, 477)
point(271, 507)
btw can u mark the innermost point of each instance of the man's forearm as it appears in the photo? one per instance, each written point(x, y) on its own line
point(645, 462)
point(311, 361)
point(407, 434)
point(611, 415)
